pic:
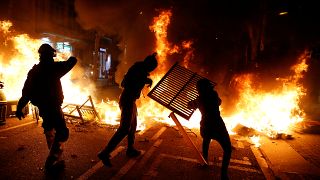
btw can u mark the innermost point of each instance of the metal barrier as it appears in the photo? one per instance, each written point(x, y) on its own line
point(174, 91)
point(75, 112)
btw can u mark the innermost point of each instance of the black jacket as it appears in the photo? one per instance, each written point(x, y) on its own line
point(134, 81)
point(43, 85)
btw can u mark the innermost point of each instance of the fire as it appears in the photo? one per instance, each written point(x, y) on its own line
point(273, 112)
point(111, 112)
point(255, 140)
point(159, 27)
point(5, 26)
point(18, 55)
point(149, 108)
point(269, 112)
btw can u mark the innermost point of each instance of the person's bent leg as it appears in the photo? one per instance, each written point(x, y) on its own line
point(56, 117)
point(121, 132)
point(131, 151)
point(205, 147)
point(118, 136)
point(225, 143)
point(49, 137)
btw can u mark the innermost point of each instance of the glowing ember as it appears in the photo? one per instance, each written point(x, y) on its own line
point(255, 140)
point(111, 112)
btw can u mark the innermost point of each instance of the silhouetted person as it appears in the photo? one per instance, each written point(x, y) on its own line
point(43, 88)
point(211, 124)
point(133, 82)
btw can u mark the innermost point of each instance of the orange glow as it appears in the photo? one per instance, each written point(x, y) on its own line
point(17, 57)
point(14, 65)
point(5, 26)
point(269, 112)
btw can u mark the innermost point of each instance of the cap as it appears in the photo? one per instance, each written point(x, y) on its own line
point(45, 48)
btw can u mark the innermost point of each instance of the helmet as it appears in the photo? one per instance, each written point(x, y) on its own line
point(45, 49)
point(151, 62)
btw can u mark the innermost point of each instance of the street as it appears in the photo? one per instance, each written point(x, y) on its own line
point(165, 155)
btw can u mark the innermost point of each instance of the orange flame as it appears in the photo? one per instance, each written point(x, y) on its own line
point(270, 112)
point(18, 55)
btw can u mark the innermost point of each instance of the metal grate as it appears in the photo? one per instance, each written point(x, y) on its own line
point(176, 89)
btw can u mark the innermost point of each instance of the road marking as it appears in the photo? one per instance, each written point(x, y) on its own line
point(180, 158)
point(123, 171)
point(99, 165)
point(238, 161)
point(150, 152)
point(212, 163)
point(152, 172)
point(145, 156)
point(196, 161)
point(21, 125)
point(158, 134)
point(242, 169)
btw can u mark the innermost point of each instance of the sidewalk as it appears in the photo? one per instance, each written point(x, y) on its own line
point(297, 158)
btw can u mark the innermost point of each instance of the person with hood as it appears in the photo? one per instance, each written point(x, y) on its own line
point(133, 83)
point(211, 124)
point(43, 88)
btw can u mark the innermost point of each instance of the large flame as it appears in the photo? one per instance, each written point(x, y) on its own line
point(272, 112)
point(18, 55)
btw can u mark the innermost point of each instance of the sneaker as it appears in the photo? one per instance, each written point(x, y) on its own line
point(133, 153)
point(51, 160)
point(52, 165)
point(105, 158)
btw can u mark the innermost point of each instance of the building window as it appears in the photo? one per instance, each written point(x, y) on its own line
point(64, 47)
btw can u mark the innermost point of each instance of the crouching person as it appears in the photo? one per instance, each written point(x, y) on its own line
point(211, 124)
point(43, 88)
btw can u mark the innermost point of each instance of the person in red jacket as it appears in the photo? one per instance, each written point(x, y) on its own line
point(43, 88)
point(133, 82)
point(211, 124)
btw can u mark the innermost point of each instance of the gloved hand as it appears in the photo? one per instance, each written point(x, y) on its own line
point(192, 104)
point(72, 59)
point(19, 114)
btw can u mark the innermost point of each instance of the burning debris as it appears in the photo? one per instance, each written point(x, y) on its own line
point(244, 131)
point(81, 112)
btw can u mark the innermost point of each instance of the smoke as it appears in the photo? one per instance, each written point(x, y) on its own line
point(128, 21)
point(216, 29)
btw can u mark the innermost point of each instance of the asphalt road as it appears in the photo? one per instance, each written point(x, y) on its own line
point(166, 155)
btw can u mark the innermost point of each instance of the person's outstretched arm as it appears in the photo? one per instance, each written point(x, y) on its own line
point(63, 67)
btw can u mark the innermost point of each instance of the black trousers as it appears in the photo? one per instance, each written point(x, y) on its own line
point(221, 135)
point(128, 126)
point(55, 128)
